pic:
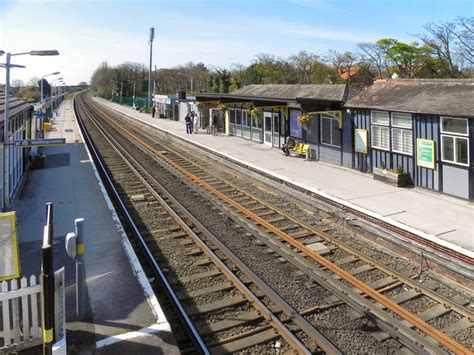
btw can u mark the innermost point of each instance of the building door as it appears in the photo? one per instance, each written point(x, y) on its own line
point(276, 129)
point(455, 160)
point(267, 127)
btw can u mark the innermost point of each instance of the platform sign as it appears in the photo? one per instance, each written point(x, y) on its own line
point(425, 153)
point(360, 140)
point(9, 252)
point(39, 142)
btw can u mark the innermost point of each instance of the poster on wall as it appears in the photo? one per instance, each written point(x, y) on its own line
point(425, 153)
point(9, 252)
point(360, 140)
point(296, 130)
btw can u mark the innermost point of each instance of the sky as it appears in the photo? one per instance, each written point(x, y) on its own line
point(218, 33)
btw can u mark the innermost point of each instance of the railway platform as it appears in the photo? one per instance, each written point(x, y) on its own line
point(122, 314)
point(439, 219)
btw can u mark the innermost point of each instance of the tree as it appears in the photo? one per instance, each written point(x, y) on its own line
point(304, 63)
point(102, 79)
point(375, 57)
point(17, 83)
point(33, 81)
point(323, 74)
point(441, 41)
point(82, 83)
point(343, 62)
point(252, 75)
point(465, 36)
point(46, 87)
point(402, 58)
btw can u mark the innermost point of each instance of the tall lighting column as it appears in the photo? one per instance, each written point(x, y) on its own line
point(152, 36)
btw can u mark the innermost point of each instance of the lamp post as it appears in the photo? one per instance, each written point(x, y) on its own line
point(7, 66)
point(152, 36)
point(52, 94)
point(44, 76)
point(133, 104)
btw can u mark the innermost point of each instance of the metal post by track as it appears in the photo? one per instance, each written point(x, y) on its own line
point(47, 280)
point(80, 274)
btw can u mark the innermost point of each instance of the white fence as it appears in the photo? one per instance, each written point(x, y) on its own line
point(19, 314)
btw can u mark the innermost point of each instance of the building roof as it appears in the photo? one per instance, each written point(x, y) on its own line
point(346, 73)
point(17, 105)
point(281, 93)
point(453, 97)
point(324, 92)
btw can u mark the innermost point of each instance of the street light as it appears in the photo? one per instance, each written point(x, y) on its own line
point(152, 36)
point(44, 76)
point(7, 66)
point(52, 94)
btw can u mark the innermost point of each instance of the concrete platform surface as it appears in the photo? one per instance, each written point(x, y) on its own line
point(446, 220)
point(121, 310)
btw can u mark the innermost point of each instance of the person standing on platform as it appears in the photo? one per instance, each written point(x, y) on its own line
point(196, 122)
point(214, 124)
point(191, 115)
point(189, 128)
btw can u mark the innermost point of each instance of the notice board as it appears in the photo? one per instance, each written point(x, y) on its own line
point(9, 253)
point(360, 140)
point(425, 153)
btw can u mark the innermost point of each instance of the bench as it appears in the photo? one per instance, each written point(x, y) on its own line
point(300, 149)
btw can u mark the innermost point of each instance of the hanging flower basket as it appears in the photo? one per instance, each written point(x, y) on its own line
point(256, 112)
point(305, 121)
point(199, 104)
point(221, 106)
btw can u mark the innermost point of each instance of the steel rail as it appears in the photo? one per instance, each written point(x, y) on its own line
point(251, 297)
point(434, 333)
point(385, 225)
point(385, 322)
point(347, 248)
point(196, 338)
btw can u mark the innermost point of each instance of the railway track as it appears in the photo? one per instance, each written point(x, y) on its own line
point(370, 288)
point(210, 293)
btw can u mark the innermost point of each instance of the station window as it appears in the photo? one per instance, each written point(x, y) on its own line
point(402, 134)
point(245, 118)
point(238, 117)
point(454, 143)
point(257, 122)
point(398, 126)
point(380, 130)
point(232, 115)
point(330, 133)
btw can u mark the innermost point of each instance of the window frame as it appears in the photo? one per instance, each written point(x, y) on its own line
point(392, 140)
point(390, 126)
point(332, 121)
point(400, 126)
point(441, 125)
point(454, 137)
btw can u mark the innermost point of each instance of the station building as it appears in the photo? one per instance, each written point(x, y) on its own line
point(423, 127)
point(419, 128)
point(20, 127)
point(267, 114)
